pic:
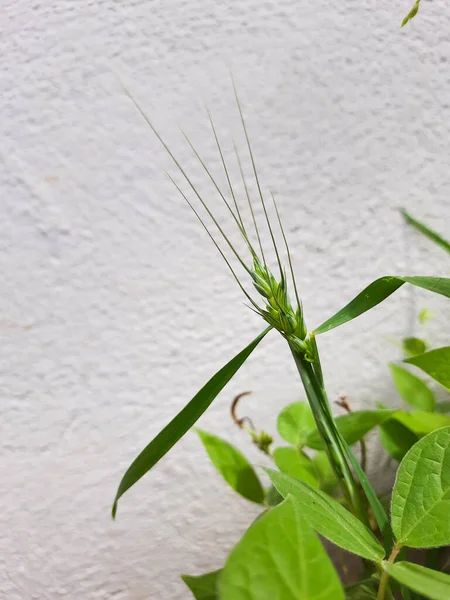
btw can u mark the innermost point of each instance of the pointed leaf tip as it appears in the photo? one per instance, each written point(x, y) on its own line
point(183, 421)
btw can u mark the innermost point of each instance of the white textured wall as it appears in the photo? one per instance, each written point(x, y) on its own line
point(114, 307)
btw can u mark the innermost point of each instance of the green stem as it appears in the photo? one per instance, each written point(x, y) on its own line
point(311, 375)
point(384, 579)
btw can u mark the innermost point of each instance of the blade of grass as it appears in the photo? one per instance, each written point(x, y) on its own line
point(184, 420)
point(426, 231)
point(378, 291)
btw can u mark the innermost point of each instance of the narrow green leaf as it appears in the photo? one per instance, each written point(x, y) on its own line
point(425, 230)
point(432, 584)
point(421, 497)
point(233, 466)
point(412, 13)
point(204, 587)
point(378, 291)
point(353, 426)
point(421, 423)
point(280, 557)
point(436, 363)
point(396, 438)
point(184, 420)
point(296, 464)
point(412, 346)
point(294, 422)
point(329, 518)
point(412, 389)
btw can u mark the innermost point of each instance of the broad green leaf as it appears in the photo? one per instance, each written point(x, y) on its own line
point(294, 422)
point(324, 473)
point(412, 389)
point(396, 438)
point(273, 496)
point(432, 584)
point(296, 464)
point(413, 346)
point(184, 420)
point(329, 518)
point(421, 423)
point(421, 497)
point(204, 587)
point(353, 426)
point(233, 466)
point(436, 363)
point(425, 230)
point(378, 291)
point(280, 557)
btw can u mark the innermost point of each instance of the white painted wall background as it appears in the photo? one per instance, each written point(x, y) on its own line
point(114, 307)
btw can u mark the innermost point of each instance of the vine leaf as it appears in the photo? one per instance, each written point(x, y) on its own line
point(421, 496)
point(233, 466)
point(280, 557)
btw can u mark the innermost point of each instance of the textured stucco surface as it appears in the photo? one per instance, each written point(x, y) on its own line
point(114, 307)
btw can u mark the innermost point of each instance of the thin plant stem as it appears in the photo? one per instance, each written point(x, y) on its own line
point(384, 579)
point(329, 434)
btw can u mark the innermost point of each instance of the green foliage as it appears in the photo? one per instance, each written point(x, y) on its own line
point(396, 439)
point(233, 466)
point(203, 587)
point(436, 363)
point(412, 389)
point(421, 496)
point(329, 518)
point(185, 419)
point(412, 13)
point(364, 590)
point(378, 291)
point(294, 423)
point(430, 583)
point(353, 426)
point(324, 473)
point(280, 557)
point(413, 346)
point(296, 464)
point(421, 227)
point(421, 423)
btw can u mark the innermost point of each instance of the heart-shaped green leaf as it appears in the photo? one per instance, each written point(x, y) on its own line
point(436, 363)
point(432, 584)
point(233, 466)
point(183, 421)
point(396, 438)
point(412, 389)
point(329, 518)
point(204, 587)
point(353, 426)
point(296, 464)
point(280, 557)
point(378, 291)
point(364, 590)
point(294, 422)
point(421, 498)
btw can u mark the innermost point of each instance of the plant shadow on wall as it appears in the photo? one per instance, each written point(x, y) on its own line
point(318, 485)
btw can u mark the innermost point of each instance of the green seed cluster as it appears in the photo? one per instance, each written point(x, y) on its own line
point(278, 311)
